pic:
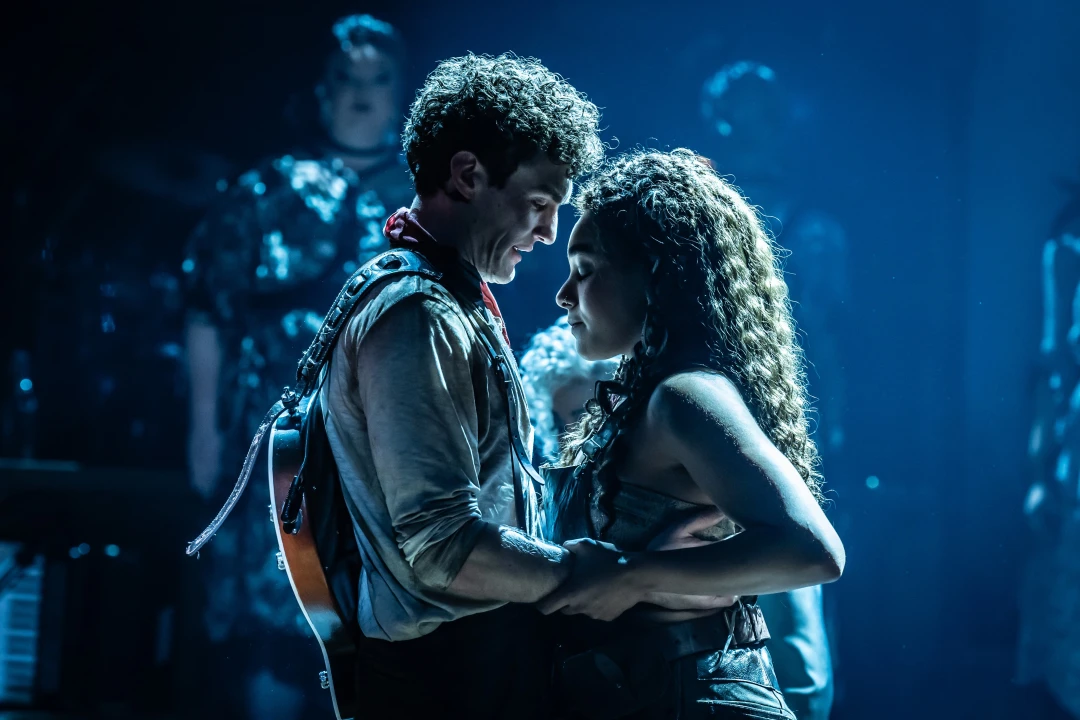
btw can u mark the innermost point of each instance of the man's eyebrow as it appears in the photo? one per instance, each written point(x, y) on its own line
point(553, 192)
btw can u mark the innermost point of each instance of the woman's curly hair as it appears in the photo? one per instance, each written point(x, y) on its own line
point(504, 109)
point(715, 272)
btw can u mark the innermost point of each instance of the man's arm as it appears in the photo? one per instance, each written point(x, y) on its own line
point(506, 564)
point(416, 384)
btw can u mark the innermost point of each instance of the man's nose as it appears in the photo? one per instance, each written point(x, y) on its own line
point(548, 228)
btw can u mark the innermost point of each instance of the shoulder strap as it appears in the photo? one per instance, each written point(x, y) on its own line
point(393, 263)
point(526, 490)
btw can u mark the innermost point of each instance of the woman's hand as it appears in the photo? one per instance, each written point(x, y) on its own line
point(601, 585)
point(681, 535)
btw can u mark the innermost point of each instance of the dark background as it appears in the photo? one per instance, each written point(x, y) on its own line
point(937, 133)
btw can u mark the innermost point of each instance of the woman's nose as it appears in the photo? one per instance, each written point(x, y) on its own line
point(562, 298)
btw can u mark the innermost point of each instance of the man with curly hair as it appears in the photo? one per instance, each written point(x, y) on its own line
point(419, 422)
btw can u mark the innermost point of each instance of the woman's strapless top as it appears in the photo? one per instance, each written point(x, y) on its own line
point(641, 515)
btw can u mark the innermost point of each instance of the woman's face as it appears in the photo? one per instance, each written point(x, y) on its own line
point(359, 98)
point(604, 299)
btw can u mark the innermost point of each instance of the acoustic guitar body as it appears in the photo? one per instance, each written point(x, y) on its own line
point(300, 559)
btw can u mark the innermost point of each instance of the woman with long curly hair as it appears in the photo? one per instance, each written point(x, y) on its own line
point(692, 474)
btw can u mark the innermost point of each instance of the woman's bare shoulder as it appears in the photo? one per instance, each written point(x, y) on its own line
point(696, 396)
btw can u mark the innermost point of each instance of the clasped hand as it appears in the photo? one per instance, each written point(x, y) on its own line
point(599, 585)
point(606, 582)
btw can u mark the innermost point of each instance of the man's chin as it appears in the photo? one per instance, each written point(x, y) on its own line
point(500, 277)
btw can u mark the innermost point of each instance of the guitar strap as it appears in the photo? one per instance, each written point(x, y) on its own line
point(527, 492)
point(393, 263)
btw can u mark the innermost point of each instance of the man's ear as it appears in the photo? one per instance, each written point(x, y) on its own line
point(467, 176)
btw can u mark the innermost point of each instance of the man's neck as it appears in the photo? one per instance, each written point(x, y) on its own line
point(443, 221)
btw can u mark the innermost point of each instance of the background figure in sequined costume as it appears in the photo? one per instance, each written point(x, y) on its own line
point(753, 119)
point(1049, 645)
point(261, 271)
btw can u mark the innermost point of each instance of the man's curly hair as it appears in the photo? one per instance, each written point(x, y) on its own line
point(503, 109)
point(714, 273)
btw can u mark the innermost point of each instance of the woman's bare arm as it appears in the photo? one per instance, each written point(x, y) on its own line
point(702, 422)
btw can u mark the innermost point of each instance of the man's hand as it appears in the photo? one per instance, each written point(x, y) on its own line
point(600, 585)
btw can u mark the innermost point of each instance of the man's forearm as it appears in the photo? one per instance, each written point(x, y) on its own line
point(508, 565)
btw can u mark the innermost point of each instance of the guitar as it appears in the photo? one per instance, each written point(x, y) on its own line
point(299, 557)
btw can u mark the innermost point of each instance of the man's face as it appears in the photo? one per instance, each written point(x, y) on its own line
point(509, 221)
point(359, 104)
point(604, 299)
